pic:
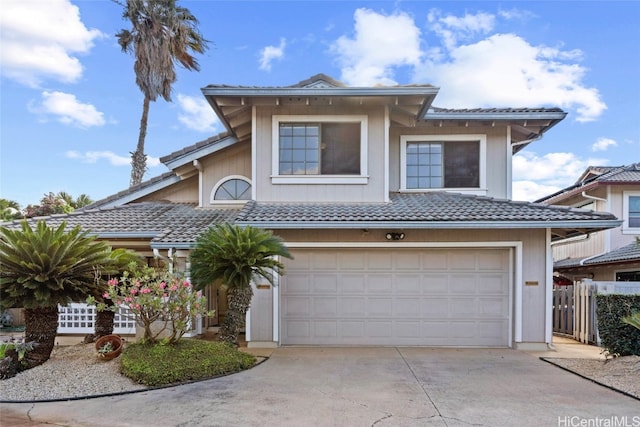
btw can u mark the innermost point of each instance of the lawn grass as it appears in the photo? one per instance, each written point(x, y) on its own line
point(188, 360)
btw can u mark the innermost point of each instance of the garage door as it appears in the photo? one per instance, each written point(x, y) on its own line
point(428, 297)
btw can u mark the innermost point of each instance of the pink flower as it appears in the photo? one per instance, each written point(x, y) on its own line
point(128, 299)
point(112, 282)
point(145, 291)
point(163, 285)
point(137, 306)
point(134, 291)
point(173, 288)
point(105, 295)
point(137, 284)
point(186, 284)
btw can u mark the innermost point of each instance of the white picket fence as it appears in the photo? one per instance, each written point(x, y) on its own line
point(585, 325)
point(79, 318)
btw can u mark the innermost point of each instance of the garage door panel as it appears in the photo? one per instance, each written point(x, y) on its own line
point(380, 307)
point(435, 283)
point(325, 329)
point(324, 283)
point(434, 307)
point(352, 306)
point(379, 283)
point(462, 260)
point(408, 284)
point(297, 306)
point(325, 306)
point(433, 297)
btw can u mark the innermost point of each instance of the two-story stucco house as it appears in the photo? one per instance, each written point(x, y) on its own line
point(398, 215)
point(611, 255)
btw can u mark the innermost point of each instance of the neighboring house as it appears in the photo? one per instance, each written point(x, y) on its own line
point(611, 255)
point(397, 213)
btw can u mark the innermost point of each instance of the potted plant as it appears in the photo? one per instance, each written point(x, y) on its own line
point(109, 347)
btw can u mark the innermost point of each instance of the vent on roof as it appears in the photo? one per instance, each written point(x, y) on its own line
point(320, 84)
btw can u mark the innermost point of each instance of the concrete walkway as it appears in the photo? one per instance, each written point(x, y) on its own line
point(381, 386)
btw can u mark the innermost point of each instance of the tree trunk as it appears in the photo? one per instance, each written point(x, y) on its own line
point(138, 158)
point(104, 321)
point(239, 301)
point(41, 327)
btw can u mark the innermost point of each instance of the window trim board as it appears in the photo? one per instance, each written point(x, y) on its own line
point(276, 178)
point(481, 138)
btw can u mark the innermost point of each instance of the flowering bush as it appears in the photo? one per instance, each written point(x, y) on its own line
point(155, 296)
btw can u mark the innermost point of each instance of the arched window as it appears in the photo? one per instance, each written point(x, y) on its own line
point(230, 189)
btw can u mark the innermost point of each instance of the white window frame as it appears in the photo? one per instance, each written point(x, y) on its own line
point(625, 212)
point(482, 138)
point(212, 199)
point(276, 178)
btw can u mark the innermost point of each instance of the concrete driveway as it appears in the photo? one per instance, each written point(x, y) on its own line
point(363, 387)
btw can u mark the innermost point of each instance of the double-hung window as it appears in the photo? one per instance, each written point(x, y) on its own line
point(319, 149)
point(442, 162)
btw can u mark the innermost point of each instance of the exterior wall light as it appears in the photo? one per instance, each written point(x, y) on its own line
point(394, 236)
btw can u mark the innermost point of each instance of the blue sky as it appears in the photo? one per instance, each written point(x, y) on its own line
point(70, 109)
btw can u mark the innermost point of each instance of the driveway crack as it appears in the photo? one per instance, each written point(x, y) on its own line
point(424, 390)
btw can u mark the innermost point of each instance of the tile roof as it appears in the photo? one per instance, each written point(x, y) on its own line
point(193, 147)
point(596, 175)
point(422, 210)
point(165, 224)
point(495, 110)
point(150, 184)
point(179, 224)
point(628, 253)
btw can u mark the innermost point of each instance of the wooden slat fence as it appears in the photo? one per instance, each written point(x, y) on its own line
point(563, 310)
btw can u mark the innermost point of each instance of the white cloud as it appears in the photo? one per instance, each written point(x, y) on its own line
point(473, 65)
point(537, 176)
point(504, 70)
point(40, 39)
point(68, 110)
point(270, 53)
point(603, 144)
point(197, 114)
point(451, 28)
point(380, 44)
point(111, 157)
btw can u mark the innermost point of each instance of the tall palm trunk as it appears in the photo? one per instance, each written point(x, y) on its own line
point(41, 326)
point(239, 300)
point(138, 158)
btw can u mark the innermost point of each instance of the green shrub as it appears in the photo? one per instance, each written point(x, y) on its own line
point(157, 364)
point(617, 337)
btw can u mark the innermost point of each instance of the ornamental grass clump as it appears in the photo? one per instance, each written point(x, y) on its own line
point(163, 303)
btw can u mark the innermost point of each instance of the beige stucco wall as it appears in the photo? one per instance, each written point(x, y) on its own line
point(533, 269)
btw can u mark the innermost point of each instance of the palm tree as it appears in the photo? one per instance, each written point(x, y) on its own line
point(9, 210)
point(44, 267)
point(234, 256)
point(162, 35)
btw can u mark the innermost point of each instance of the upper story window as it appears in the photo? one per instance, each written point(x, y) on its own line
point(231, 189)
point(442, 162)
point(631, 212)
point(319, 149)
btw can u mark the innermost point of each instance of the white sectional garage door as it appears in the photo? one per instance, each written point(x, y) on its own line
point(426, 297)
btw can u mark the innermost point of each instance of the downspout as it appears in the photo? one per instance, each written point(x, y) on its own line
point(586, 196)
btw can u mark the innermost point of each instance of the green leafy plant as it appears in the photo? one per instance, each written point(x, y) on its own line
point(618, 338)
point(43, 267)
point(21, 348)
point(633, 320)
point(156, 364)
point(155, 297)
point(106, 348)
point(234, 256)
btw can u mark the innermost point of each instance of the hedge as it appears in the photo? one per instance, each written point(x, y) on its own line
point(617, 337)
